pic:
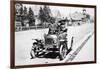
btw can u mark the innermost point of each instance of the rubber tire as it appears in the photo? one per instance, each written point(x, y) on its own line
point(62, 51)
point(32, 54)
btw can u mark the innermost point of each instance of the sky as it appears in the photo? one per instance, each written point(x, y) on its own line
point(64, 11)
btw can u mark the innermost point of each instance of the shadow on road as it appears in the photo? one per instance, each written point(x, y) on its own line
point(51, 55)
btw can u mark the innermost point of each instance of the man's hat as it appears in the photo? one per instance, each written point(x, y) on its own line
point(62, 22)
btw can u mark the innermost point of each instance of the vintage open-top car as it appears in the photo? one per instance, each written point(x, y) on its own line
point(52, 42)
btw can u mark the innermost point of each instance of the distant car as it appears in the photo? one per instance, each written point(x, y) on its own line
point(53, 42)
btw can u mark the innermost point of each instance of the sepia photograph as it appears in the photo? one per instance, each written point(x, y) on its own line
point(53, 34)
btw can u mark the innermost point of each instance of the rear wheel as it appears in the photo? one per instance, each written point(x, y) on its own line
point(62, 51)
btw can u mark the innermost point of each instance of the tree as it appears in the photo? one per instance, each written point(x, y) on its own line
point(31, 17)
point(25, 13)
point(44, 14)
point(41, 16)
point(21, 10)
point(47, 13)
point(25, 10)
point(21, 14)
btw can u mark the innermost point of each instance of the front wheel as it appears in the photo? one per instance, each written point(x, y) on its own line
point(62, 51)
point(33, 52)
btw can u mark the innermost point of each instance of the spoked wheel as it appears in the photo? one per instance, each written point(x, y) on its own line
point(62, 51)
point(33, 52)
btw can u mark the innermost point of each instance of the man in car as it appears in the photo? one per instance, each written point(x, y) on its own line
point(52, 28)
point(63, 30)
